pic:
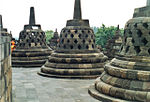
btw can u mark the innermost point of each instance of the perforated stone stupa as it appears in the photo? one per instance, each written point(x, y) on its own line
point(54, 40)
point(76, 55)
point(127, 77)
point(31, 50)
point(113, 45)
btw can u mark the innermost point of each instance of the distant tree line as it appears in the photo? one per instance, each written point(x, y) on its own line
point(102, 34)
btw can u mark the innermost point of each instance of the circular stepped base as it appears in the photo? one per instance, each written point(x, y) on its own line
point(69, 76)
point(71, 73)
point(104, 98)
point(30, 58)
point(33, 63)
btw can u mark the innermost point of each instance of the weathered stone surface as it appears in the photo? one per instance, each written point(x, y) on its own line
point(129, 70)
point(5, 65)
point(31, 50)
point(113, 45)
point(76, 55)
point(54, 40)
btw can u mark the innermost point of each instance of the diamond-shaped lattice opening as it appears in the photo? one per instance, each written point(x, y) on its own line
point(93, 46)
point(29, 45)
point(86, 35)
point(66, 35)
point(92, 36)
point(121, 48)
point(130, 32)
point(82, 31)
point(71, 46)
point(32, 40)
point(87, 47)
point(72, 35)
point(89, 31)
point(144, 41)
point(83, 41)
point(27, 40)
point(76, 31)
point(68, 41)
point(75, 41)
point(94, 40)
point(64, 31)
point(135, 25)
point(68, 31)
point(149, 50)
point(133, 41)
point(64, 46)
point(79, 36)
point(79, 46)
point(137, 49)
point(139, 33)
point(127, 49)
point(125, 39)
point(62, 41)
point(90, 41)
point(145, 25)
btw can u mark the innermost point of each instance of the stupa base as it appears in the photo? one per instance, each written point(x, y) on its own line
point(71, 73)
point(30, 58)
point(104, 98)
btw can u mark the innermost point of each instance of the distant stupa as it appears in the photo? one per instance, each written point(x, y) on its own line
point(76, 55)
point(31, 50)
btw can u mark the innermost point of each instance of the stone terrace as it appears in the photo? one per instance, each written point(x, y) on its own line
point(28, 86)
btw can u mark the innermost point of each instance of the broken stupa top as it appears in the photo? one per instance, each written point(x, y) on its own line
point(77, 35)
point(32, 35)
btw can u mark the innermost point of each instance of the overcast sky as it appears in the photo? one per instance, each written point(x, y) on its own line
point(53, 14)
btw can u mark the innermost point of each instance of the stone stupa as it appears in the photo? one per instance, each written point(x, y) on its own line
point(76, 55)
point(54, 40)
point(127, 77)
point(113, 45)
point(31, 50)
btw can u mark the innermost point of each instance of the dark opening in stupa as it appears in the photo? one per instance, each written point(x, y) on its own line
point(31, 50)
point(127, 77)
point(76, 55)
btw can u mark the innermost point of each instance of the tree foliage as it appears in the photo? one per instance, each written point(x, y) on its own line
point(104, 33)
point(49, 34)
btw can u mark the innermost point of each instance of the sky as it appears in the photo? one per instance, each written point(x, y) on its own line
point(52, 14)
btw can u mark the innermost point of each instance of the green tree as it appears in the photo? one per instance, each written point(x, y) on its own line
point(49, 34)
point(104, 33)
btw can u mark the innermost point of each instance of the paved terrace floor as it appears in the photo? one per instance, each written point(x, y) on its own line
point(28, 86)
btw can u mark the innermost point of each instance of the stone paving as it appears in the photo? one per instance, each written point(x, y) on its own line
point(28, 86)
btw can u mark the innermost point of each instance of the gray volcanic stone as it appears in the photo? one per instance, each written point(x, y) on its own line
point(127, 76)
point(76, 55)
point(31, 50)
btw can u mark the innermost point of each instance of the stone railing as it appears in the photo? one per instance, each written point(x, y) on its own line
point(5, 69)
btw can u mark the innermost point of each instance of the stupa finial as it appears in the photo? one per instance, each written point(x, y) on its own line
point(32, 16)
point(77, 10)
point(148, 3)
point(1, 22)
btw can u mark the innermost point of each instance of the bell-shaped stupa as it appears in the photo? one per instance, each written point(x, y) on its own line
point(76, 55)
point(54, 40)
point(31, 50)
point(113, 45)
point(127, 77)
